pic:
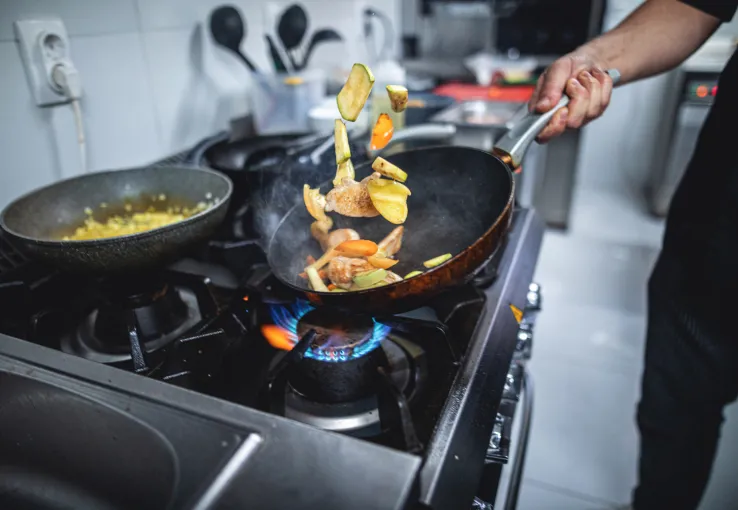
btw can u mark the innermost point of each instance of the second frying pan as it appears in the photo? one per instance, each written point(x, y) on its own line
point(461, 203)
point(37, 222)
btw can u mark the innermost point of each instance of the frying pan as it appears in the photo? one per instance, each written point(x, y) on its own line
point(461, 203)
point(37, 222)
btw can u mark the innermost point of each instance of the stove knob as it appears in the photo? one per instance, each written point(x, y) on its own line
point(533, 297)
point(508, 391)
point(496, 438)
point(525, 344)
point(494, 442)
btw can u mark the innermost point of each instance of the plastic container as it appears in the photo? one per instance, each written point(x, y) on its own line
point(282, 102)
point(387, 72)
point(322, 117)
point(486, 66)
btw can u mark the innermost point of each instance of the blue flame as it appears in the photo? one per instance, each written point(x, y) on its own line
point(288, 317)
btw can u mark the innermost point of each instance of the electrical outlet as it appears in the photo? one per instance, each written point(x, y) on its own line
point(43, 44)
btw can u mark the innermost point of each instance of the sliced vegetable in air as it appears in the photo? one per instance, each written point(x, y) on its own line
point(355, 92)
point(345, 170)
point(413, 274)
point(382, 132)
point(390, 199)
point(387, 169)
point(398, 97)
point(343, 151)
point(315, 203)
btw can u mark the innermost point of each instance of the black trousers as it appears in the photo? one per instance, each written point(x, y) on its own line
point(691, 361)
point(691, 373)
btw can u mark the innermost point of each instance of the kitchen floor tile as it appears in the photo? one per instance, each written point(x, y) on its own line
point(615, 216)
point(586, 271)
point(602, 337)
point(536, 496)
point(722, 491)
point(583, 437)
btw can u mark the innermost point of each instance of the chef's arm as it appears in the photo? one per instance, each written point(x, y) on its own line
point(656, 37)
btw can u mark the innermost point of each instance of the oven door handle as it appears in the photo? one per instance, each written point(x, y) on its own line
point(516, 473)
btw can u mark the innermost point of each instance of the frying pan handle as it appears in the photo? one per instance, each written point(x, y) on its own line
point(517, 140)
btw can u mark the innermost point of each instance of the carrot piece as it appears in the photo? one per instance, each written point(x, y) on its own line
point(331, 286)
point(381, 262)
point(382, 132)
point(357, 248)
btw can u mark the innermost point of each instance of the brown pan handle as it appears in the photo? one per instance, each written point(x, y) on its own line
point(516, 141)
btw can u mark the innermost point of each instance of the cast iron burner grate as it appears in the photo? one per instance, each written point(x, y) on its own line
point(390, 394)
point(10, 258)
point(136, 318)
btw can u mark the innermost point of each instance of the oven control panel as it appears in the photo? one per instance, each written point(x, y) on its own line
point(700, 88)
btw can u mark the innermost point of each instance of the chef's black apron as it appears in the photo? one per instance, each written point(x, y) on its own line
point(691, 364)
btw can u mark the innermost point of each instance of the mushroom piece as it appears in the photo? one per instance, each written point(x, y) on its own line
point(329, 240)
point(352, 198)
point(391, 244)
point(392, 277)
point(316, 204)
point(341, 270)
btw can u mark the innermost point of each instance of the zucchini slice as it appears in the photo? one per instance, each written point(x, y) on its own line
point(437, 261)
point(343, 151)
point(370, 278)
point(355, 92)
point(345, 170)
point(387, 169)
point(398, 97)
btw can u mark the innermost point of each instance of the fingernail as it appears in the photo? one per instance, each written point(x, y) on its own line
point(544, 103)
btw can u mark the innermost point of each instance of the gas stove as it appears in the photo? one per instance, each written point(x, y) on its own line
point(218, 333)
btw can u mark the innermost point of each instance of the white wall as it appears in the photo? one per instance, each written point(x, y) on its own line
point(153, 81)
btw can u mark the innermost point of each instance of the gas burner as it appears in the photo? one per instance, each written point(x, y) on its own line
point(340, 338)
point(345, 397)
point(148, 312)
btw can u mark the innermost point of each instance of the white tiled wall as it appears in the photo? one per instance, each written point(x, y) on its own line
point(153, 81)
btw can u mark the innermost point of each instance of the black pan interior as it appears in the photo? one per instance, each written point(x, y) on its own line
point(52, 212)
point(458, 193)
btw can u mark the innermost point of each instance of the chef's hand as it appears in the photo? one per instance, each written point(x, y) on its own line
point(583, 78)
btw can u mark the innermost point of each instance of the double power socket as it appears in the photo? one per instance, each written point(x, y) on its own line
point(44, 45)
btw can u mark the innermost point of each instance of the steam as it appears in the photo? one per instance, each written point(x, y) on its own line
point(442, 218)
point(273, 201)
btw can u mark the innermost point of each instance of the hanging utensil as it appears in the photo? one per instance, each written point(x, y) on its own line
point(229, 29)
point(276, 57)
point(291, 30)
point(321, 36)
point(369, 36)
